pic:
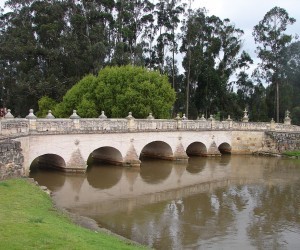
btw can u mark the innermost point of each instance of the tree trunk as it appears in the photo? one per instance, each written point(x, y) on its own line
point(277, 101)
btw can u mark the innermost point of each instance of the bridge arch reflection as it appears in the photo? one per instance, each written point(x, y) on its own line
point(103, 177)
point(44, 170)
point(157, 150)
point(155, 171)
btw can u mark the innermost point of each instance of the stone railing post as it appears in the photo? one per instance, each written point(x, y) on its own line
point(245, 118)
point(9, 115)
point(287, 119)
point(49, 115)
point(75, 119)
point(272, 124)
point(179, 122)
point(131, 122)
point(212, 121)
point(32, 120)
point(229, 120)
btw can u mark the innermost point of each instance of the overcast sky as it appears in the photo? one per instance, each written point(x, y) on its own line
point(246, 14)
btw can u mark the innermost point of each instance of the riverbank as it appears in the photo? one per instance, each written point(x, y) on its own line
point(292, 154)
point(29, 220)
point(289, 154)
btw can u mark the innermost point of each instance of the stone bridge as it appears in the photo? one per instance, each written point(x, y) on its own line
point(69, 144)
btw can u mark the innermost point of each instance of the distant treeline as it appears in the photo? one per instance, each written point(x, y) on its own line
point(47, 46)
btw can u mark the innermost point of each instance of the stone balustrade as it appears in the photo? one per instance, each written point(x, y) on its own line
point(14, 127)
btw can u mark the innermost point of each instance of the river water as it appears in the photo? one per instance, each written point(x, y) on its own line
point(229, 202)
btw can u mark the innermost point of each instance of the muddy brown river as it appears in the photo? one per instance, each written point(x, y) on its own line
point(228, 202)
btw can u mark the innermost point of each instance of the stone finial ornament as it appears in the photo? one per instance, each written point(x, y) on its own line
point(129, 117)
point(177, 117)
point(150, 116)
point(50, 116)
point(202, 118)
point(211, 118)
point(229, 119)
point(74, 115)
point(102, 116)
point(287, 119)
point(8, 115)
point(245, 118)
point(184, 117)
point(31, 115)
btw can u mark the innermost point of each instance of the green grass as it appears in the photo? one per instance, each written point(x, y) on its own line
point(292, 153)
point(28, 220)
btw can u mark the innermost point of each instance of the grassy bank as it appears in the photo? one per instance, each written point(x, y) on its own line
point(28, 220)
point(292, 153)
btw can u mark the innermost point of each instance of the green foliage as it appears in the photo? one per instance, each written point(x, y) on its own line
point(45, 103)
point(296, 115)
point(27, 210)
point(118, 90)
point(211, 48)
point(77, 98)
point(48, 46)
point(272, 40)
point(292, 153)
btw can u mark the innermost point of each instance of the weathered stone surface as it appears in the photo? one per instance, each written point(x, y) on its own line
point(180, 153)
point(278, 142)
point(76, 162)
point(58, 137)
point(131, 158)
point(11, 159)
point(213, 150)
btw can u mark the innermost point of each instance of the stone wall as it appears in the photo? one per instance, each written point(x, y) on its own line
point(14, 128)
point(11, 159)
point(279, 142)
point(247, 142)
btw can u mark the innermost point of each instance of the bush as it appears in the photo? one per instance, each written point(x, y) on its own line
point(118, 90)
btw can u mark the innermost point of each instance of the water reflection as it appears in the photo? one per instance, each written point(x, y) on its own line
point(103, 176)
point(155, 171)
point(196, 164)
point(224, 202)
point(52, 179)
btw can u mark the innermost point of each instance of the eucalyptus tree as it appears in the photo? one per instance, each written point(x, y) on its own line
point(131, 19)
point(19, 64)
point(270, 34)
point(214, 46)
point(168, 15)
point(244, 84)
point(290, 87)
point(98, 22)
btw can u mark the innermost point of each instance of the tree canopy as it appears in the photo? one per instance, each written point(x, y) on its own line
point(46, 47)
point(272, 40)
point(117, 91)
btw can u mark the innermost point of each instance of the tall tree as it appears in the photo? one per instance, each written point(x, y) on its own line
point(269, 33)
point(214, 45)
point(244, 84)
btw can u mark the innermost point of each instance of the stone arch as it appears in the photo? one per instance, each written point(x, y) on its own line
point(157, 150)
point(48, 161)
point(45, 170)
point(196, 149)
point(224, 148)
point(109, 155)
